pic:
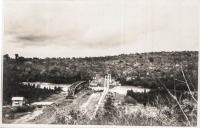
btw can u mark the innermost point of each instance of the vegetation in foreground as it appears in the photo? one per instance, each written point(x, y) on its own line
point(113, 115)
point(9, 114)
point(175, 108)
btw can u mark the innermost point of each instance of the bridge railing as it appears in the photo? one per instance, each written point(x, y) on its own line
point(74, 88)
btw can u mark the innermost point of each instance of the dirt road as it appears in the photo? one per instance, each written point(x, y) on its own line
point(88, 108)
point(47, 114)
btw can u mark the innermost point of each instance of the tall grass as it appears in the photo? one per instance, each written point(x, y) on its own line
point(173, 110)
point(168, 116)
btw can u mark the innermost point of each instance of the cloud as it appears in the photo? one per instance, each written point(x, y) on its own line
point(32, 38)
point(99, 27)
point(26, 40)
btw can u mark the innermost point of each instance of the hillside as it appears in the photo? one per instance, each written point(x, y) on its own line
point(131, 69)
point(172, 78)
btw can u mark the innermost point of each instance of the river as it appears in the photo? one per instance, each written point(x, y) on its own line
point(49, 85)
point(123, 89)
point(118, 89)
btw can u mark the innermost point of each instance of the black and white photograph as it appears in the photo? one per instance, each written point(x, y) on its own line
point(100, 62)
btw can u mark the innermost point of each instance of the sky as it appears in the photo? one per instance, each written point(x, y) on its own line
point(79, 28)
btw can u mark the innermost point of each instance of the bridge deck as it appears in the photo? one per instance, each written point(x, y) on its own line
point(75, 88)
point(74, 85)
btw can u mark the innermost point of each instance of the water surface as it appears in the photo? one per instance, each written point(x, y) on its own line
point(49, 85)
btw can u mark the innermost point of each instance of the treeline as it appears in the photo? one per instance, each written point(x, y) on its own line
point(170, 83)
point(32, 93)
point(160, 96)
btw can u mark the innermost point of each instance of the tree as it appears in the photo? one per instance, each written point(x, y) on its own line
point(38, 86)
point(6, 56)
point(130, 100)
point(21, 59)
point(16, 56)
point(151, 59)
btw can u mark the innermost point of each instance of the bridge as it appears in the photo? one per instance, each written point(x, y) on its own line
point(107, 82)
point(75, 88)
point(80, 85)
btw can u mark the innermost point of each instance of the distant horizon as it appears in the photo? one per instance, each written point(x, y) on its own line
point(13, 56)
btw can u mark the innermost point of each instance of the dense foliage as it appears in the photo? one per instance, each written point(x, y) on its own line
point(180, 104)
point(140, 68)
point(152, 96)
point(131, 69)
point(23, 109)
point(32, 93)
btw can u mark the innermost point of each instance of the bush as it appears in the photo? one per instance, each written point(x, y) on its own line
point(24, 109)
point(109, 107)
point(130, 100)
point(98, 90)
point(151, 59)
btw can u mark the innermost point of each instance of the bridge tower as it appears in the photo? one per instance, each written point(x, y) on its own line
point(107, 82)
point(109, 78)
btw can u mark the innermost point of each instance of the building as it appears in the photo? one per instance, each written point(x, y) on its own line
point(18, 101)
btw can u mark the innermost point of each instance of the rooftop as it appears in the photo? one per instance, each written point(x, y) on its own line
point(17, 98)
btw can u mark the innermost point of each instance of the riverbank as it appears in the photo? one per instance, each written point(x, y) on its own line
point(49, 85)
point(48, 114)
point(123, 89)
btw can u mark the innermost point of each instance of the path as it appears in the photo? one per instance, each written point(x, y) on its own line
point(88, 108)
point(47, 114)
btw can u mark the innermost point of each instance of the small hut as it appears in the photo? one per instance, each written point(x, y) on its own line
point(18, 101)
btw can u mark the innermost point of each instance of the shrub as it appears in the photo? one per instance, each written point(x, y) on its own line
point(24, 109)
point(109, 107)
point(130, 100)
point(151, 59)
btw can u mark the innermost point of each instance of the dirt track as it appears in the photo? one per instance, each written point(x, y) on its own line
point(89, 107)
point(49, 113)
